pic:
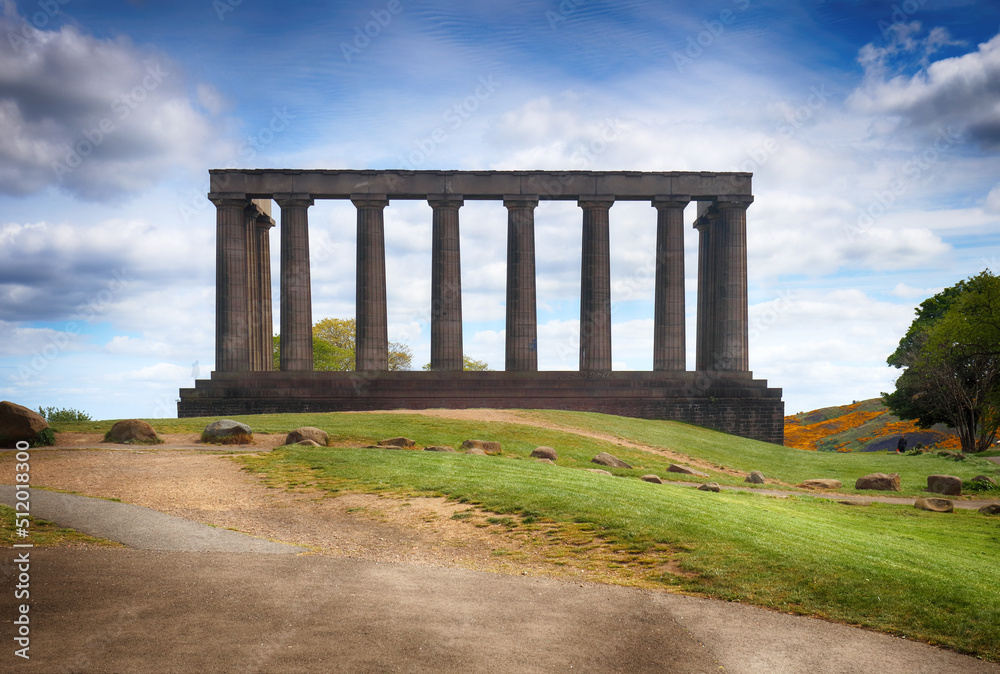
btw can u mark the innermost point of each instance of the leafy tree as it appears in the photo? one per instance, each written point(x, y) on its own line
point(470, 364)
point(334, 347)
point(57, 414)
point(950, 358)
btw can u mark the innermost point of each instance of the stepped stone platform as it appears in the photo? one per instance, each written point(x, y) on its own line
point(732, 402)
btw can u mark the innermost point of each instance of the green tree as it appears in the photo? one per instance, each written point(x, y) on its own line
point(334, 342)
point(950, 358)
point(470, 364)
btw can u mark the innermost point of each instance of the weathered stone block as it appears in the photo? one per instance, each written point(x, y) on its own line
point(937, 505)
point(878, 482)
point(317, 435)
point(949, 485)
point(545, 453)
point(18, 423)
point(821, 484)
point(605, 459)
point(684, 470)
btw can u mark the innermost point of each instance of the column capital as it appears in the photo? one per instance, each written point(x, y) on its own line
point(520, 200)
point(228, 198)
point(284, 200)
point(370, 200)
point(446, 200)
point(741, 201)
point(671, 201)
point(597, 201)
point(264, 221)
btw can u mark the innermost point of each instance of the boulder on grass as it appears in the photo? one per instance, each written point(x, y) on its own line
point(655, 479)
point(710, 486)
point(949, 485)
point(548, 461)
point(544, 453)
point(684, 470)
point(18, 423)
point(132, 431)
point(476, 451)
point(935, 505)
point(990, 509)
point(317, 435)
point(605, 459)
point(755, 477)
point(878, 482)
point(488, 446)
point(600, 472)
point(397, 442)
point(821, 484)
point(306, 443)
point(439, 448)
point(227, 432)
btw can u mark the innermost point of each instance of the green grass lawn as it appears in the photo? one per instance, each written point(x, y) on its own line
point(927, 576)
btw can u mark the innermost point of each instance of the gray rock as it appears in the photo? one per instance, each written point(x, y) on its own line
point(488, 446)
point(600, 472)
point(18, 423)
point(878, 482)
point(710, 486)
point(990, 509)
point(397, 442)
point(684, 470)
point(605, 459)
point(949, 485)
point(128, 431)
point(439, 448)
point(548, 461)
point(317, 435)
point(655, 479)
point(544, 453)
point(821, 484)
point(936, 505)
point(755, 477)
point(223, 429)
point(477, 451)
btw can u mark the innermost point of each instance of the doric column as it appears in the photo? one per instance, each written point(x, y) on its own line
point(595, 286)
point(732, 322)
point(232, 339)
point(296, 287)
point(372, 346)
point(254, 308)
point(707, 289)
point(522, 320)
point(669, 342)
point(266, 328)
point(446, 284)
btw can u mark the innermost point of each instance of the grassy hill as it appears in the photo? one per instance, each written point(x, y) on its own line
point(927, 576)
point(864, 426)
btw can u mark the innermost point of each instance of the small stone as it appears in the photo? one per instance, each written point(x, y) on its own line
point(990, 509)
point(544, 453)
point(18, 423)
point(710, 486)
point(317, 435)
point(130, 431)
point(949, 485)
point(878, 482)
point(821, 484)
point(548, 461)
point(226, 429)
point(655, 479)
point(600, 472)
point(755, 477)
point(684, 470)
point(605, 459)
point(488, 446)
point(439, 448)
point(477, 451)
point(397, 442)
point(936, 505)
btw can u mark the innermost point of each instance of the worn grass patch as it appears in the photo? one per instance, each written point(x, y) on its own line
point(923, 575)
point(44, 534)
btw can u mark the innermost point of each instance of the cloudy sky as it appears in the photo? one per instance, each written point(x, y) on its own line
point(872, 130)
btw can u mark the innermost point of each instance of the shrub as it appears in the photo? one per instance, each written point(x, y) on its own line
point(57, 414)
point(979, 486)
point(44, 438)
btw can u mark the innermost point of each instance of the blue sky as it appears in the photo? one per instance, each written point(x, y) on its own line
point(872, 130)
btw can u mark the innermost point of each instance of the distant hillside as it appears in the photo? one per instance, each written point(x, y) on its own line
point(865, 426)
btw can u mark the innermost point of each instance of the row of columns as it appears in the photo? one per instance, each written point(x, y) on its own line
point(243, 313)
